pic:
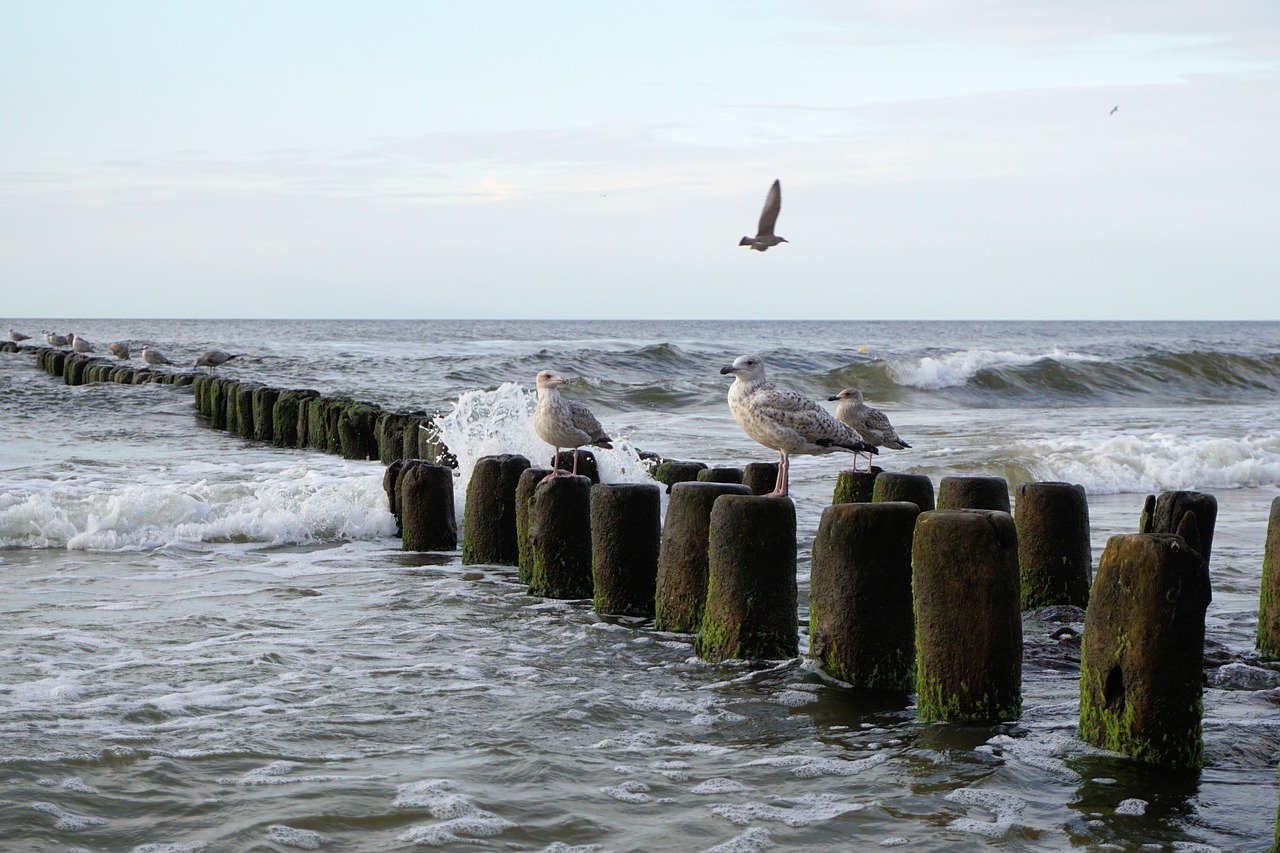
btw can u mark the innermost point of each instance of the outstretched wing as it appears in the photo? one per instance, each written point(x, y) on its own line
point(772, 207)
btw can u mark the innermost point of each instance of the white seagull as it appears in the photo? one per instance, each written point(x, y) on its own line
point(784, 420)
point(155, 358)
point(17, 337)
point(768, 219)
point(213, 358)
point(80, 344)
point(870, 423)
point(564, 423)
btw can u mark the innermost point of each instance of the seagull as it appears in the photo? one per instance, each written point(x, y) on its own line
point(18, 336)
point(155, 358)
point(564, 423)
point(872, 424)
point(119, 349)
point(213, 358)
point(784, 420)
point(1113, 110)
point(55, 340)
point(79, 344)
point(768, 218)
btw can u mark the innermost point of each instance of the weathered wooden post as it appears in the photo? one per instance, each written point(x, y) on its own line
point(1268, 638)
point(489, 515)
point(751, 581)
point(672, 471)
point(286, 416)
point(968, 617)
point(682, 560)
point(974, 493)
point(854, 487)
point(587, 466)
point(244, 425)
point(264, 404)
point(426, 508)
point(725, 474)
point(861, 625)
point(900, 486)
point(760, 477)
point(626, 528)
point(390, 479)
point(1169, 509)
point(525, 487)
point(1054, 555)
point(560, 538)
point(1142, 653)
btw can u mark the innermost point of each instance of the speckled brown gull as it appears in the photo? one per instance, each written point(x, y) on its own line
point(119, 349)
point(784, 420)
point(564, 423)
point(870, 423)
point(213, 358)
point(155, 358)
point(768, 220)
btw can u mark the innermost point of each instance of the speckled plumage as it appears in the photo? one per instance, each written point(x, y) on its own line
point(119, 349)
point(565, 423)
point(870, 423)
point(784, 420)
point(155, 358)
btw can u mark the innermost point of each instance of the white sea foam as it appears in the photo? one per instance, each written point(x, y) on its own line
point(1132, 806)
point(105, 508)
point(630, 792)
point(1004, 807)
point(956, 368)
point(67, 821)
point(808, 810)
point(754, 839)
point(719, 785)
point(290, 836)
point(459, 817)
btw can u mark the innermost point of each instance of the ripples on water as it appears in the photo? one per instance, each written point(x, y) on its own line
point(210, 644)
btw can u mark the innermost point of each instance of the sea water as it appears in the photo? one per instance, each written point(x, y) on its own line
point(209, 643)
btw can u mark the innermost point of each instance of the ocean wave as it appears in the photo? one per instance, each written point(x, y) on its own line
point(94, 507)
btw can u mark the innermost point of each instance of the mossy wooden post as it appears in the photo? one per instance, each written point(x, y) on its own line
point(672, 471)
point(217, 402)
point(427, 433)
point(390, 427)
point(968, 617)
point(489, 515)
point(244, 425)
point(974, 493)
point(264, 421)
point(587, 466)
point(1055, 558)
point(900, 486)
point(389, 480)
point(751, 581)
point(560, 538)
point(1171, 507)
point(426, 509)
point(682, 560)
point(409, 445)
point(626, 528)
point(1268, 639)
point(231, 391)
point(1142, 653)
point(854, 487)
point(525, 487)
point(861, 625)
point(760, 477)
point(357, 431)
point(286, 416)
point(726, 474)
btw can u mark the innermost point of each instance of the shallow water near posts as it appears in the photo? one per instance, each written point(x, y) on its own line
point(208, 643)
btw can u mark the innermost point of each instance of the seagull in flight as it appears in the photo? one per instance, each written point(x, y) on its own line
point(1113, 110)
point(768, 218)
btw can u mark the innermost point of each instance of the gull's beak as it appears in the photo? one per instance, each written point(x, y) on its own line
point(832, 399)
point(726, 369)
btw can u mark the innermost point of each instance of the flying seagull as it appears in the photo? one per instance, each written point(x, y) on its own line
point(1113, 110)
point(768, 219)
point(564, 423)
point(784, 420)
point(872, 424)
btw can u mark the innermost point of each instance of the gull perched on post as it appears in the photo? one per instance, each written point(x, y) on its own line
point(80, 344)
point(213, 358)
point(564, 423)
point(18, 337)
point(870, 423)
point(155, 358)
point(119, 349)
point(784, 420)
point(768, 219)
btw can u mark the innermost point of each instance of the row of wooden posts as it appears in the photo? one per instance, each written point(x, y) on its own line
point(282, 417)
point(903, 596)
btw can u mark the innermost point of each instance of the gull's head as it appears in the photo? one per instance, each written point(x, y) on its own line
point(548, 379)
point(848, 394)
point(747, 368)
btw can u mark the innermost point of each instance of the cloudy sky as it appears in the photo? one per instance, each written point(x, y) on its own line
point(939, 160)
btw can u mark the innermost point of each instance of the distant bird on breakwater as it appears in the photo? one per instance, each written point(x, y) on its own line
point(119, 349)
point(18, 337)
point(870, 423)
point(80, 344)
point(213, 358)
point(155, 358)
point(768, 220)
point(564, 423)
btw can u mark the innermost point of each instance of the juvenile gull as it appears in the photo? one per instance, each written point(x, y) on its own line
point(564, 423)
point(872, 424)
point(213, 358)
point(79, 344)
point(155, 358)
point(55, 340)
point(768, 219)
point(119, 349)
point(784, 420)
point(18, 337)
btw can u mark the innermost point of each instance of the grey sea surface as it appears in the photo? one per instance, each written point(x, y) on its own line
point(211, 644)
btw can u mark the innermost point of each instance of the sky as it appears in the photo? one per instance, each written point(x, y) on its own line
point(943, 160)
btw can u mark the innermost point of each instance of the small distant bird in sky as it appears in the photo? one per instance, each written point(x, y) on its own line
point(768, 219)
point(1113, 110)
